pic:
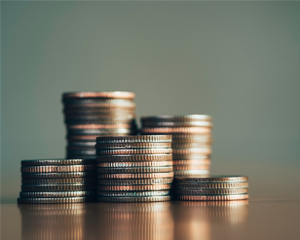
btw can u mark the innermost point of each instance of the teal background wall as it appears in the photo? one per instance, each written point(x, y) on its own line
point(237, 61)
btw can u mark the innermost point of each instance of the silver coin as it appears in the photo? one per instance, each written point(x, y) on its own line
point(134, 199)
point(54, 200)
point(57, 194)
point(132, 194)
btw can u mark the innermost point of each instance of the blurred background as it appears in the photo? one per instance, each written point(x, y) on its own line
point(236, 61)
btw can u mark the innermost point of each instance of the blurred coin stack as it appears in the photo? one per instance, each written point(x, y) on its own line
point(89, 115)
point(134, 168)
point(214, 188)
point(191, 142)
point(57, 181)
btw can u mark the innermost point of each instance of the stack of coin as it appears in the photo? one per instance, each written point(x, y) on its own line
point(89, 115)
point(191, 140)
point(57, 181)
point(134, 168)
point(214, 188)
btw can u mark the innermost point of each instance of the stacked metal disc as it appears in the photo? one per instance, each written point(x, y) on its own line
point(57, 181)
point(134, 168)
point(191, 140)
point(214, 188)
point(89, 115)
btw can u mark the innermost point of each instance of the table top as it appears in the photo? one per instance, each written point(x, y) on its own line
point(272, 212)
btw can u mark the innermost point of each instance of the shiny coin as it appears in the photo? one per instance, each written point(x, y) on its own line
point(134, 158)
point(142, 145)
point(133, 151)
point(45, 162)
point(58, 187)
point(58, 181)
point(114, 94)
point(134, 199)
point(224, 191)
point(151, 187)
point(210, 185)
point(136, 175)
point(59, 175)
point(229, 178)
point(177, 124)
point(135, 139)
point(212, 197)
point(124, 182)
point(166, 130)
point(134, 164)
point(57, 169)
point(172, 118)
point(55, 200)
point(56, 194)
point(135, 170)
point(132, 194)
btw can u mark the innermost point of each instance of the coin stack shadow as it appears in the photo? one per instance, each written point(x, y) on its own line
point(58, 181)
point(191, 142)
point(217, 188)
point(89, 115)
point(134, 168)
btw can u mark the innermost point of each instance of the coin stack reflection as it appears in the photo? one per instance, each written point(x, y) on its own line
point(134, 168)
point(92, 114)
point(57, 181)
point(191, 140)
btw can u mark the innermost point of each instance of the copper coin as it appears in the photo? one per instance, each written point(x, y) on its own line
point(191, 138)
point(55, 168)
point(177, 124)
point(135, 170)
point(188, 156)
point(134, 164)
point(58, 187)
point(181, 145)
point(56, 194)
point(132, 194)
point(213, 198)
point(133, 145)
point(133, 151)
point(125, 182)
point(190, 167)
point(58, 181)
point(134, 158)
point(213, 185)
point(134, 199)
point(151, 187)
point(44, 162)
point(224, 191)
point(189, 162)
point(211, 179)
point(166, 130)
point(59, 175)
point(136, 175)
point(203, 150)
point(135, 139)
point(54, 200)
point(174, 118)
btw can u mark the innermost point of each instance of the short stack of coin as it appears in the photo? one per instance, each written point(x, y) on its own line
point(134, 168)
point(191, 140)
point(57, 181)
point(89, 115)
point(214, 188)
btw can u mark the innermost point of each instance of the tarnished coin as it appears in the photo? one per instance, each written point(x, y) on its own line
point(125, 182)
point(190, 167)
point(224, 191)
point(135, 175)
point(134, 158)
point(203, 150)
point(98, 126)
point(188, 156)
point(212, 197)
point(190, 162)
point(135, 139)
point(142, 145)
point(211, 179)
point(181, 145)
point(177, 124)
point(57, 168)
point(185, 173)
point(166, 130)
point(134, 199)
point(45, 162)
point(152, 187)
point(135, 170)
point(114, 94)
point(55, 200)
point(133, 151)
point(132, 194)
point(59, 175)
point(58, 181)
point(58, 187)
point(211, 185)
point(174, 118)
point(57, 194)
point(134, 164)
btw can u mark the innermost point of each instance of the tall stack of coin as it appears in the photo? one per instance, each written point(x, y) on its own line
point(57, 181)
point(191, 140)
point(134, 168)
point(89, 115)
point(214, 188)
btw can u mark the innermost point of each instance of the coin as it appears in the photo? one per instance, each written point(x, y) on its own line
point(134, 164)
point(124, 182)
point(188, 156)
point(229, 178)
point(191, 138)
point(133, 151)
point(81, 144)
point(55, 200)
point(98, 103)
point(114, 94)
point(210, 185)
point(172, 118)
point(134, 199)
point(134, 158)
point(92, 157)
point(142, 145)
point(80, 148)
point(81, 152)
point(108, 132)
point(135, 139)
point(135, 170)
point(190, 167)
point(189, 162)
point(166, 130)
point(185, 173)
point(129, 119)
point(212, 198)
point(203, 150)
point(136, 175)
point(151, 187)
point(132, 194)
point(181, 145)
point(58, 181)
point(98, 126)
point(44, 162)
point(56, 194)
point(57, 187)
point(224, 191)
point(177, 124)
point(57, 169)
point(59, 175)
